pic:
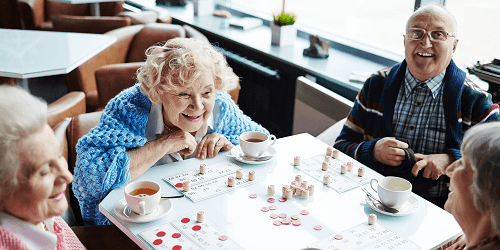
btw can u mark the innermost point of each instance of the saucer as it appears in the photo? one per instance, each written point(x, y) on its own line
point(409, 207)
point(236, 151)
point(126, 214)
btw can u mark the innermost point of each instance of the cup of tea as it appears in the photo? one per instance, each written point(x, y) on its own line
point(143, 196)
point(255, 143)
point(393, 191)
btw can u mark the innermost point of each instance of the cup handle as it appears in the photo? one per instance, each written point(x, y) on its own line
point(142, 207)
point(371, 184)
point(273, 139)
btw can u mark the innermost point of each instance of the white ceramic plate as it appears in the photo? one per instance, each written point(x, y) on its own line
point(126, 214)
point(409, 207)
point(236, 151)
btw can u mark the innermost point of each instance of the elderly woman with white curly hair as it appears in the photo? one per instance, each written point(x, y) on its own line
point(178, 110)
point(474, 199)
point(34, 177)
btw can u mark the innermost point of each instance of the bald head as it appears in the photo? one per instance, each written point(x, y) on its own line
point(435, 9)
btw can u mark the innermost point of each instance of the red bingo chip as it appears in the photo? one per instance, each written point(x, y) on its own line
point(176, 235)
point(157, 242)
point(338, 237)
point(264, 209)
point(161, 234)
point(282, 215)
point(223, 237)
point(273, 216)
point(253, 196)
point(296, 223)
point(271, 200)
point(318, 227)
point(294, 217)
point(185, 220)
point(282, 199)
point(286, 221)
point(177, 247)
point(304, 212)
point(196, 228)
point(272, 207)
point(179, 185)
point(277, 222)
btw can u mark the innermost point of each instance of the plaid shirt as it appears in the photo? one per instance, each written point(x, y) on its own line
point(419, 118)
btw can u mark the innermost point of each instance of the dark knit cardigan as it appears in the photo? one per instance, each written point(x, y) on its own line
point(370, 119)
point(102, 162)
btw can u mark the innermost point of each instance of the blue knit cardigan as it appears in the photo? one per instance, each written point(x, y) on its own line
point(102, 162)
point(370, 119)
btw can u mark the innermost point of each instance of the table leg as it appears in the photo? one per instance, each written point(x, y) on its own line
point(23, 83)
point(94, 9)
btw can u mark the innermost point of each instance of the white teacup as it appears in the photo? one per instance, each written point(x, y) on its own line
point(393, 191)
point(143, 196)
point(254, 143)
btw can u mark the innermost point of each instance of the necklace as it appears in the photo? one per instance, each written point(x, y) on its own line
point(168, 129)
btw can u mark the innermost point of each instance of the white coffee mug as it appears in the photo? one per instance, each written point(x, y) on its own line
point(254, 143)
point(143, 196)
point(393, 191)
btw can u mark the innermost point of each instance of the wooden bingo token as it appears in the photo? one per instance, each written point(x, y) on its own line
point(311, 189)
point(329, 151)
point(200, 217)
point(361, 171)
point(270, 190)
point(298, 178)
point(186, 186)
point(203, 169)
point(283, 190)
point(305, 194)
point(296, 161)
point(293, 188)
point(335, 154)
point(328, 159)
point(251, 176)
point(288, 194)
point(303, 184)
point(372, 219)
point(298, 191)
point(318, 227)
point(239, 173)
point(326, 179)
point(324, 166)
point(343, 168)
point(230, 181)
point(294, 183)
point(350, 165)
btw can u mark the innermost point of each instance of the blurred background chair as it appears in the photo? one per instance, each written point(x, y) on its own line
point(70, 105)
point(320, 108)
point(9, 13)
point(37, 14)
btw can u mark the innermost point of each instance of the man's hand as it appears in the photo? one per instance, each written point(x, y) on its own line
point(389, 151)
point(434, 165)
point(211, 144)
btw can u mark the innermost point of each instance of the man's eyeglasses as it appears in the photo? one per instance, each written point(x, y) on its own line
point(435, 35)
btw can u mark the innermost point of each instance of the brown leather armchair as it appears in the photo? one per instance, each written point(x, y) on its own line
point(70, 105)
point(131, 44)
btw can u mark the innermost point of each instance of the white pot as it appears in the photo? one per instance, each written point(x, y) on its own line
point(283, 35)
point(203, 7)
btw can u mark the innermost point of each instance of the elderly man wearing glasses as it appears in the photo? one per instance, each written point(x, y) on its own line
point(409, 120)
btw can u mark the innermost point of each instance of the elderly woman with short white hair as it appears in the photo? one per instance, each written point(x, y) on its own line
point(34, 177)
point(178, 110)
point(474, 200)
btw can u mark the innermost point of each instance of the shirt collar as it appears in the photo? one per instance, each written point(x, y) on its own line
point(31, 235)
point(434, 83)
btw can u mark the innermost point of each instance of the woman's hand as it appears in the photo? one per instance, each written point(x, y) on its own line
point(211, 144)
point(179, 141)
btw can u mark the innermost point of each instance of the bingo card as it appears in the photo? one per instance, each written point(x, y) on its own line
point(365, 236)
point(338, 182)
point(212, 183)
point(187, 233)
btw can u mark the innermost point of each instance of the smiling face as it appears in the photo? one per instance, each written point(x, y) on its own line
point(43, 178)
point(428, 58)
point(460, 201)
point(188, 108)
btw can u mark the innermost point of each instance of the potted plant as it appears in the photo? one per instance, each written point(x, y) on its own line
point(282, 29)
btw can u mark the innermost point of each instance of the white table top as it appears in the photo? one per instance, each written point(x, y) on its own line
point(240, 218)
point(27, 53)
point(84, 1)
